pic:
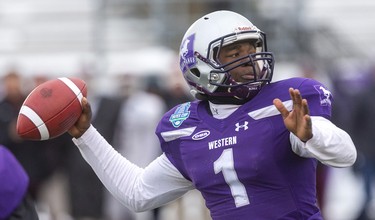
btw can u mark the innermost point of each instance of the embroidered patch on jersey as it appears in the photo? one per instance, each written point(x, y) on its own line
point(325, 95)
point(187, 58)
point(180, 115)
point(201, 135)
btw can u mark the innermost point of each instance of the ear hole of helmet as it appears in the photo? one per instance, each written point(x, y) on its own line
point(196, 72)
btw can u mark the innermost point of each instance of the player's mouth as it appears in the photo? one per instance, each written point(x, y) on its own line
point(248, 76)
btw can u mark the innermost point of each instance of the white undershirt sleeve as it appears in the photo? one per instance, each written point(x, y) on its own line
point(138, 189)
point(330, 145)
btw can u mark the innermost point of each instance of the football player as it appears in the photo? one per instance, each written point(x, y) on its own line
point(15, 201)
point(250, 146)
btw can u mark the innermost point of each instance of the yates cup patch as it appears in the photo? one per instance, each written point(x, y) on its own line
point(180, 115)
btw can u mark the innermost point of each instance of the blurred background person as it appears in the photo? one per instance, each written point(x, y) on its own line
point(310, 70)
point(9, 107)
point(134, 133)
point(363, 120)
point(52, 196)
point(42, 160)
point(173, 89)
point(86, 192)
point(15, 202)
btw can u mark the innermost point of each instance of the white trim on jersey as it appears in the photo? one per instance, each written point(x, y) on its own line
point(269, 111)
point(220, 111)
point(175, 134)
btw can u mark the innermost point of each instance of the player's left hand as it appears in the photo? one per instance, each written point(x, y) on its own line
point(298, 120)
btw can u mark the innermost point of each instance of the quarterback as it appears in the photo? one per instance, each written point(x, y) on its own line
point(249, 145)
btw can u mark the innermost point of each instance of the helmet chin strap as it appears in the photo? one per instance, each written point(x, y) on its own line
point(239, 95)
point(244, 91)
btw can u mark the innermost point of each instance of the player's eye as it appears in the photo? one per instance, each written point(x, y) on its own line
point(233, 55)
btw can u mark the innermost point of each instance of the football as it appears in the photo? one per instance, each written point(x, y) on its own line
point(51, 108)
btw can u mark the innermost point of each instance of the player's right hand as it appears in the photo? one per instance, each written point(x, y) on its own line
point(297, 121)
point(83, 122)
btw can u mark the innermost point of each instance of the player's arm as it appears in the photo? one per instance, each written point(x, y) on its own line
point(315, 136)
point(329, 144)
point(138, 189)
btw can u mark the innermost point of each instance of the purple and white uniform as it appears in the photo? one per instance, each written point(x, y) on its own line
point(246, 165)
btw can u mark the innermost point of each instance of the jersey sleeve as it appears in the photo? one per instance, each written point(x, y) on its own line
point(330, 145)
point(318, 97)
point(178, 123)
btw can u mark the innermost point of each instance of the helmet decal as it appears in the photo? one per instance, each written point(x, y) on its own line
point(187, 58)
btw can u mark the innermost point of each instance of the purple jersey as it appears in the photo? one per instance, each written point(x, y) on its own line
point(244, 165)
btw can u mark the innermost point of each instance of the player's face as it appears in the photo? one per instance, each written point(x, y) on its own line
point(232, 52)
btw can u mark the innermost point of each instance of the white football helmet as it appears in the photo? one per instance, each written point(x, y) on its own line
point(199, 51)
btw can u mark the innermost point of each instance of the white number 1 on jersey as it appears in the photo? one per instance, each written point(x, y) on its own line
point(225, 164)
